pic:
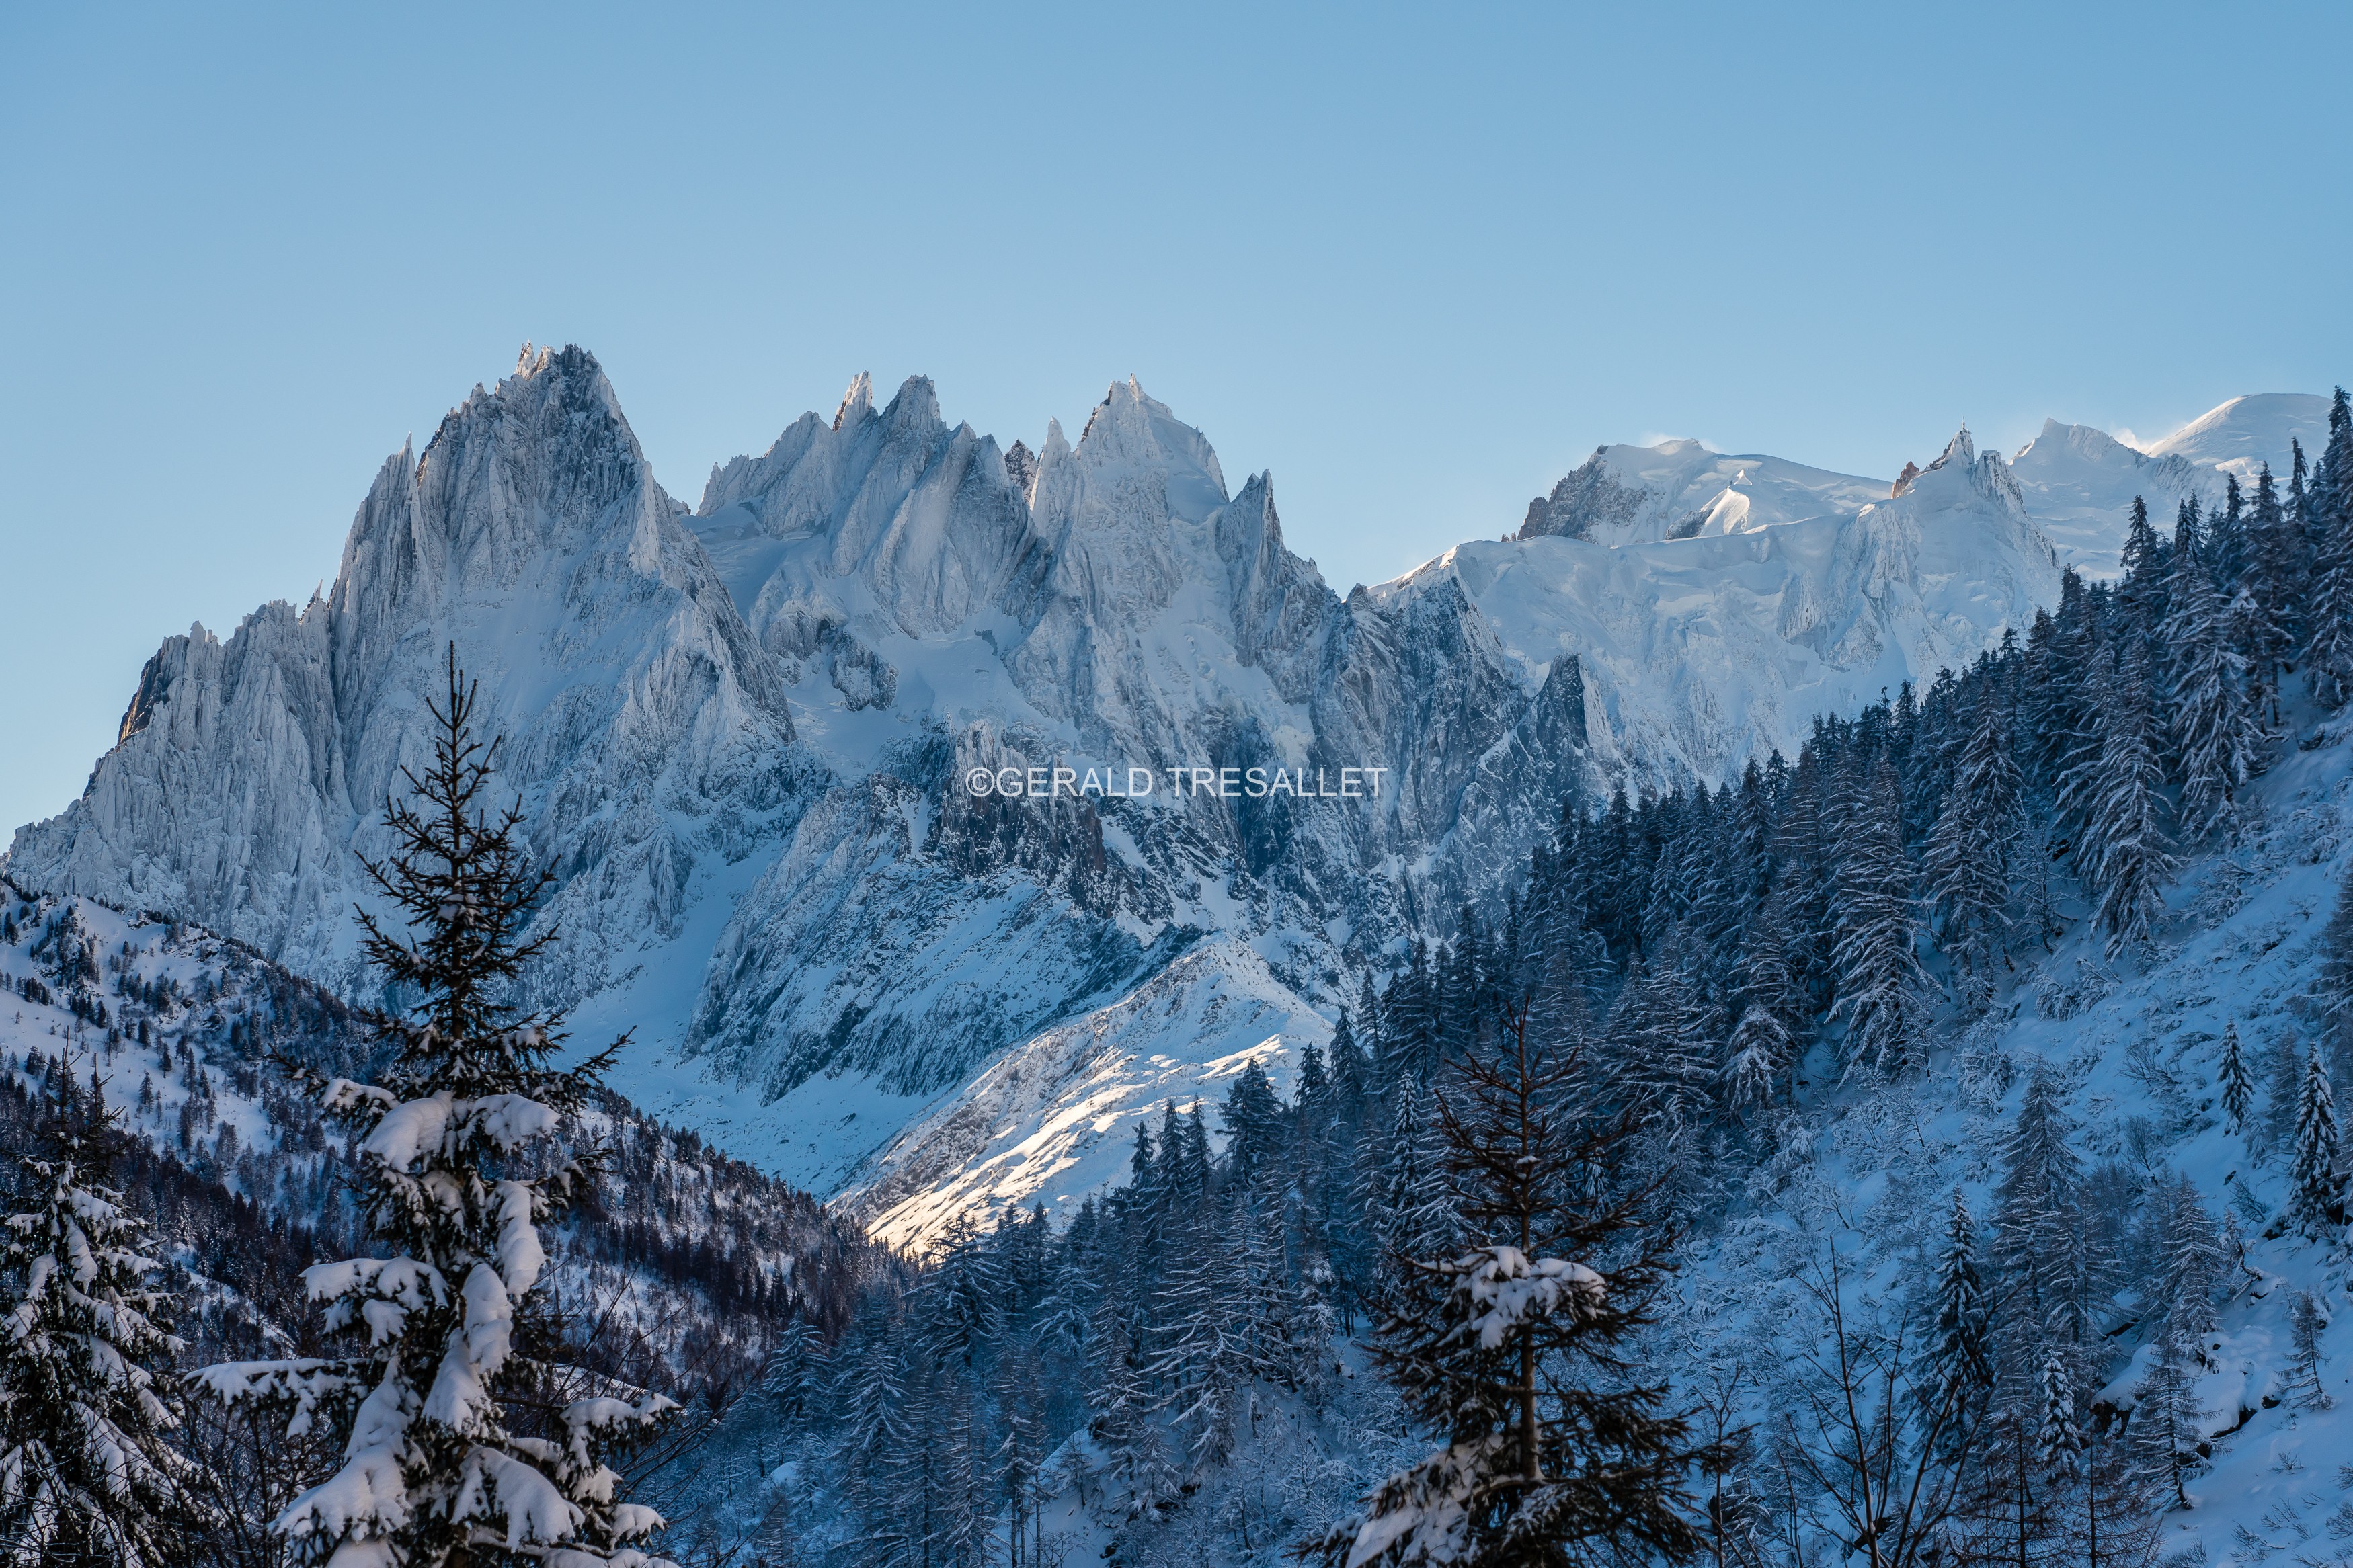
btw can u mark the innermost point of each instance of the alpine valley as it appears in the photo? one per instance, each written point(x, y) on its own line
point(741, 734)
point(1930, 886)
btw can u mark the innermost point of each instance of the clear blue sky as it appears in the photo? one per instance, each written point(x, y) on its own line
point(1418, 262)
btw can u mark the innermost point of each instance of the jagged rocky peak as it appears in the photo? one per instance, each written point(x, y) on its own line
point(531, 534)
point(1133, 433)
point(1987, 477)
point(1020, 467)
point(1587, 497)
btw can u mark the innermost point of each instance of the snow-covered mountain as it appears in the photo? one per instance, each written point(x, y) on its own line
point(2074, 480)
point(742, 733)
point(1680, 490)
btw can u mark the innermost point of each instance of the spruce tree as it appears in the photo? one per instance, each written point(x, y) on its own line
point(464, 1444)
point(1406, 1208)
point(2328, 654)
point(2059, 1436)
point(2216, 734)
point(2238, 1088)
point(2036, 1230)
point(1511, 1355)
point(1959, 1365)
point(1883, 988)
point(1977, 838)
point(2190, 1259)
point(2117, 793)
point(2275, 582)
point(2164, 1434)
point(795, 1375)
point(2316, 1194)
point(1255, 1123)
point(88, 1473)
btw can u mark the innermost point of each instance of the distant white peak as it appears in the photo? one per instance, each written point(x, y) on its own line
point(2082, 440)
point(857, 403)
point(2249, 430)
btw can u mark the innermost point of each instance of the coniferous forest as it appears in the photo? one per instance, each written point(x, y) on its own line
point(468, 1308)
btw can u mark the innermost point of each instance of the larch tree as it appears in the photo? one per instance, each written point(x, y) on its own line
point(464, 1444)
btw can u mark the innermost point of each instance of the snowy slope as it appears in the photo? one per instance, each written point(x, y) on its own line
point(2139, 1050)
point(1055, 1119)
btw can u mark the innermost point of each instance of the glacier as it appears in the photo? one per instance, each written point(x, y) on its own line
point(739, 733)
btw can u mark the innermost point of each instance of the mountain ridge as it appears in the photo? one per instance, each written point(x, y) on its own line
point(739, 730)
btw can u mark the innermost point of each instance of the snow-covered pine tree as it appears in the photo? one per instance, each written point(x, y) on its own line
point(2189, 1260)
point(1881, 987)
point(1977, 837)
point(1960, 1367)
point(2059, 1435)
point(1664, 1062)
point(2328, 508)
point(2035, 1232)
point(795, 1375)
point(2315, 1195)
point(1760, 1052)
point(2216, 734)
point(1135, 1463)
point(2274, 581)
point(2141, 594)
point(462, 1444)
point(1512, 1356)
point(2164, 1434)
point(2238, 1088)
point(1405, 1207)
point(1255, 1123)
point(2119, 794)
point(87, 1472)
point(1198, 1359)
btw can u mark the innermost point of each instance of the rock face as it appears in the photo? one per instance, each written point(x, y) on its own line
point(531, 534)
point(745, 737)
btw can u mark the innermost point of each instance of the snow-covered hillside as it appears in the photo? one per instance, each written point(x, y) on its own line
point(741, 734)
point(2136, 1047)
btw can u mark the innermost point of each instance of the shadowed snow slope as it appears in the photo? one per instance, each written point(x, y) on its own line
point(2136, 1048)
point(741, 737)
